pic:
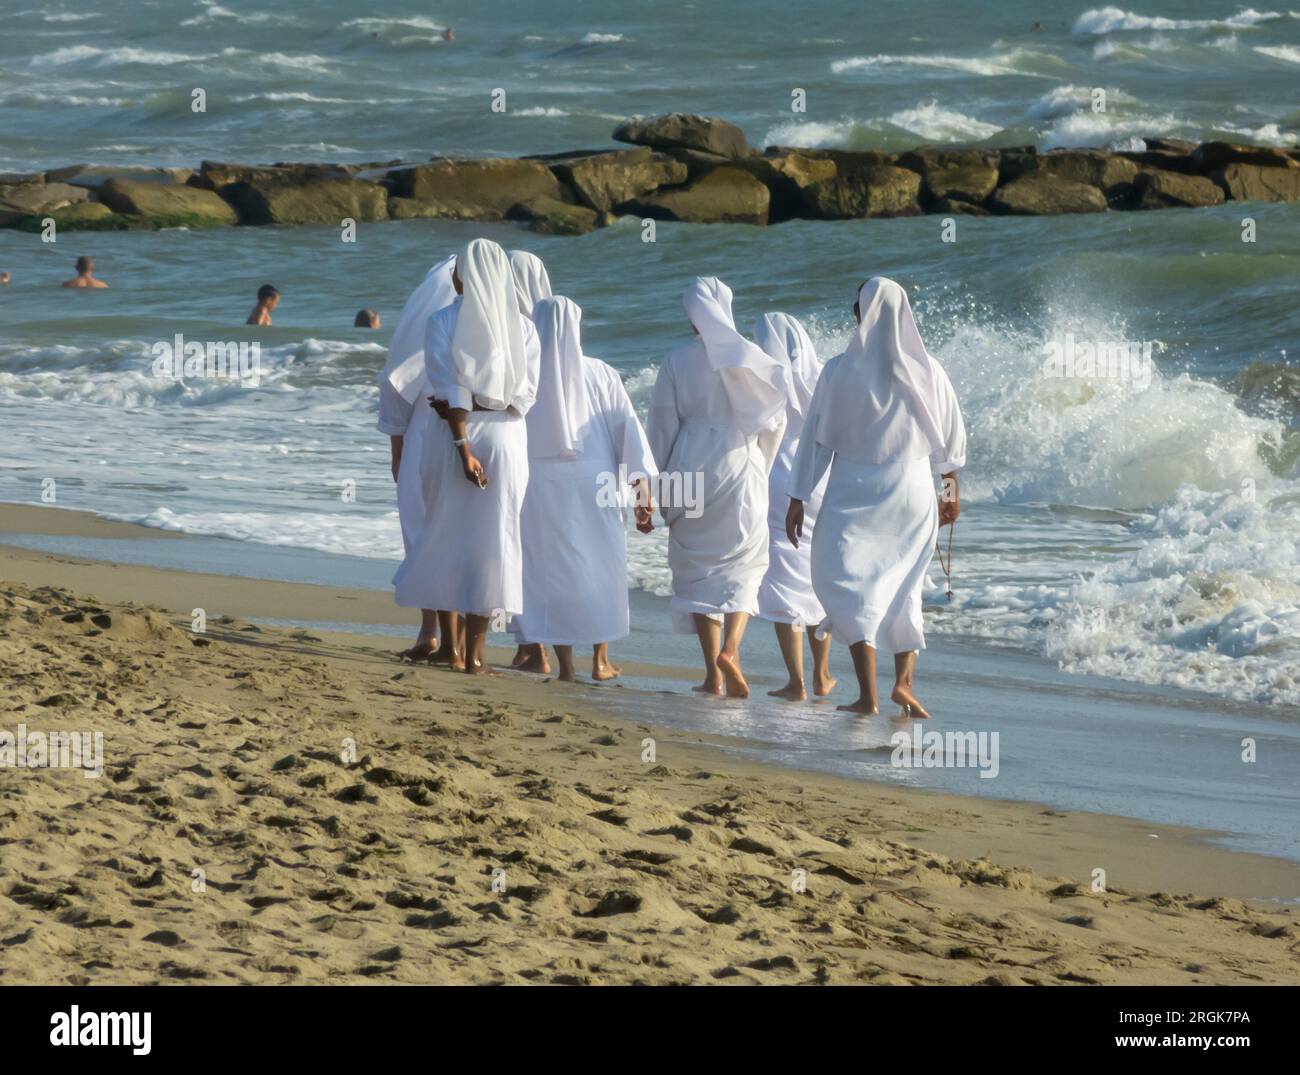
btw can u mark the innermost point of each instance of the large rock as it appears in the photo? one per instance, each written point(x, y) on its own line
point(1016, 162)
point(475, 189)
point(967, 175)
point(1094, 167)
point(1211, 156)
point(1163, 190)
point(786, 173)
point(79, 216)
point(680, 131)
point(865, 191)
point(603, 181)
point(96, 175)
point(216, 175)
point(18, 200)
point(166, 204)
point(316, 201)
point(1252, 183)
point(549, 216)
point(1044, 195)
point(1167, 160)
point(725, 195)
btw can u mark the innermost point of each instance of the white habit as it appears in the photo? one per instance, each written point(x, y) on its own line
point(715, 425)
point(404, 409)
point(786, 594)
point(882, 413)
point(479, 351)
point(581, 429)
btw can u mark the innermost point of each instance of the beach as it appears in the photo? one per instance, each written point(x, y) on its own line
point(349, 816)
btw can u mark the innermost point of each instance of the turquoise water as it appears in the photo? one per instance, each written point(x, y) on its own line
point(335, 80)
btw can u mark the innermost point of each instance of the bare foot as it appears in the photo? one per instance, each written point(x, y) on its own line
point(567, 675)
point(421, 651)
point(535, 663)
point(521, 655)
point(605, 671)
point(907, 700)
point(710, 686)
point(823, 687)
point(445, 654)
point(481, 668)
point(729, 665)
point(862, 705)
point(791, 692)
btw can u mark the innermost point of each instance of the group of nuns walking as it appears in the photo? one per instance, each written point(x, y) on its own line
point(794, 491)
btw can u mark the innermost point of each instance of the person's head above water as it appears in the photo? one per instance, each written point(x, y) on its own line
point(366, 318)
point(85, 265)
point(268, 296)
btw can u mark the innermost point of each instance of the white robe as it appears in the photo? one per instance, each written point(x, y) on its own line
point(877, 527)
point(468, 556)
point(786, 594)
point(575, 531)
point(717, 550)
point(407, 414)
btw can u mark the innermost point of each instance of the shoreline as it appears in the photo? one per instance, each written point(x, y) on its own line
point(679, 167)
point(478, 831)
point(1240, 874)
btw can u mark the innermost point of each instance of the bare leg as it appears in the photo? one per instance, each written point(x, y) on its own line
point(564, 654)
point(476, 630)
point(791, 643)
point(823, 681)
point(864, 664)
point(904, 666)
point(710, 634)
point(601, 668)
point(728, 660)
point(535, 659)
point(452, 650)
point(521, 655)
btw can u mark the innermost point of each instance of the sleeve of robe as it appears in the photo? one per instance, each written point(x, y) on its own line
point(812, 458)
point(439, 366)
point(524, 400)
point(631, 446)
point(394, 412)
point(664, 419)
point(953, 454)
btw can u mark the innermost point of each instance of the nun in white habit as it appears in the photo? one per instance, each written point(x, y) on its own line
point(481, 359)
point(715, 427)
point(403, 385)
point(786, 597)
point(532, 284)
point(532, 281)
point(882, 413)
point(581, 431)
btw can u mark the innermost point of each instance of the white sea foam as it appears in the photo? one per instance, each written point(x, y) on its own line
point(602, 39)
point(1286, 53)
point(928, 121)
point(105, 57)
point(1006, 63)
point(1109, 20)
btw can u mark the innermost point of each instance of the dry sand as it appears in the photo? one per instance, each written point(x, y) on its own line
point(227, 753)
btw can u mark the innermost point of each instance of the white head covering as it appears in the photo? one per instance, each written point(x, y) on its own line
point(560, 414)
point(881, 404)
point(404, 369)
point(487, 346)
point(784, 338)
point(531, 280)
point(754, 380)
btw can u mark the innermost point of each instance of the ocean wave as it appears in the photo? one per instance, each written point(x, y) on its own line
point(602, 39)
point(380, 23)
point(1286, 53)
point(1108, 20)
point(1014, 62)
point(107, 57)
point(929, 122)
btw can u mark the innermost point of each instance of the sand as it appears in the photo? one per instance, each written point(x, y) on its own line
point(278, 806)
